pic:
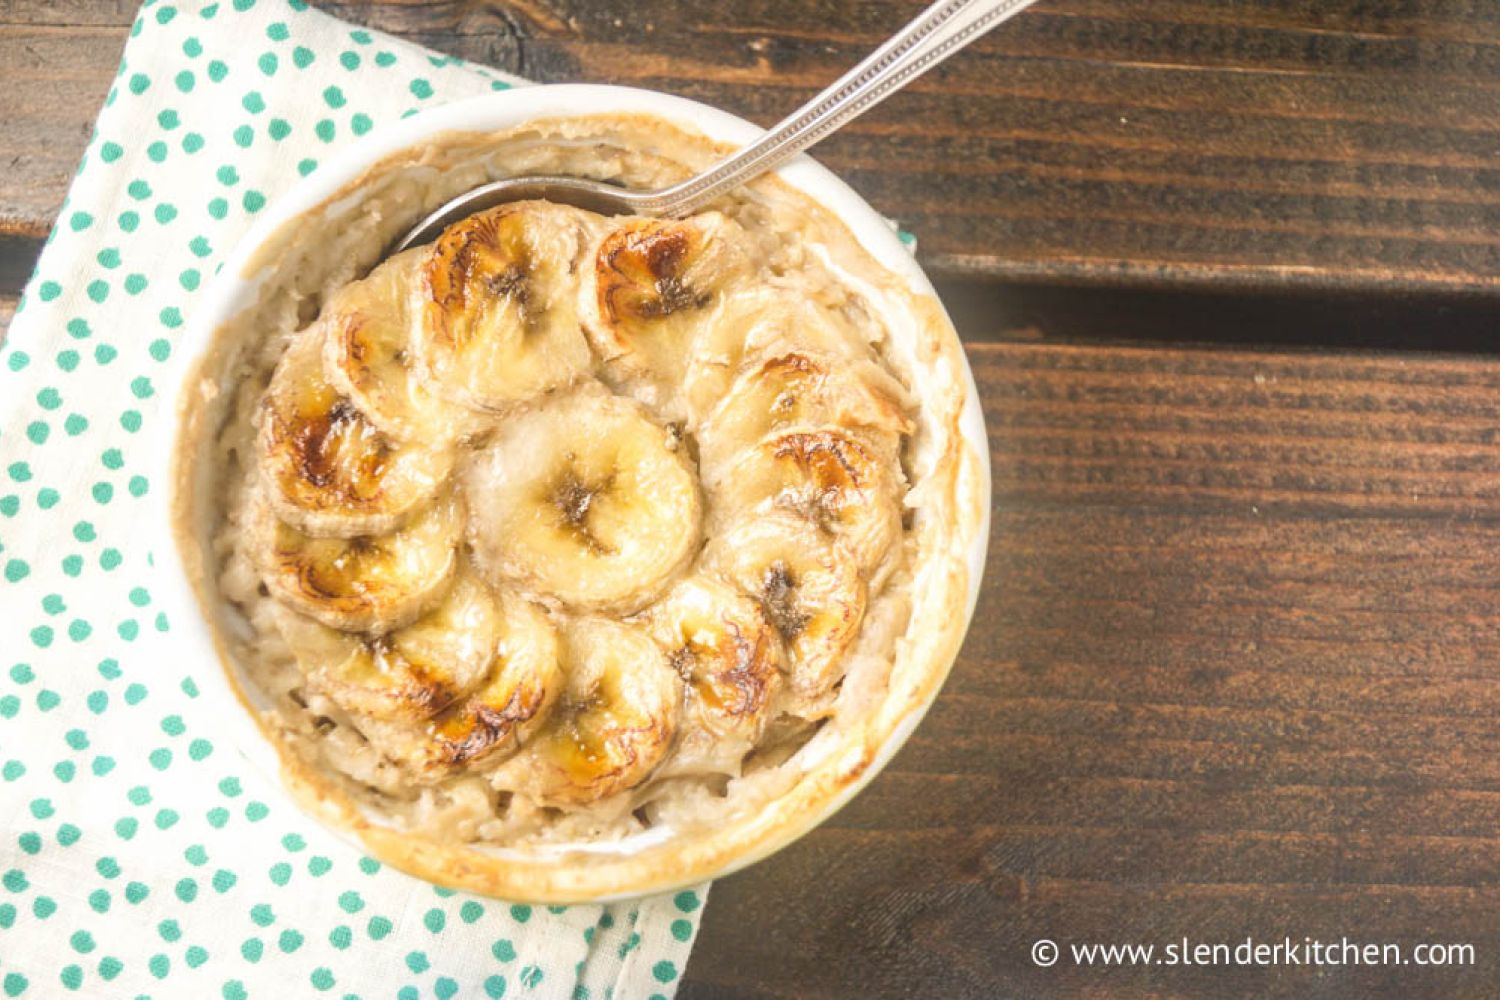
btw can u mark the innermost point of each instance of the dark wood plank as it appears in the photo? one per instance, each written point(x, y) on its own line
point(1234, 674)
point(1308, 143)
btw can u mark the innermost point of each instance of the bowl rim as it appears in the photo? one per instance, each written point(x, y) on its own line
point(235, 285)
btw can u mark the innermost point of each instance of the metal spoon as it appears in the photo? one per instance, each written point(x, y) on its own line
point(935, 34)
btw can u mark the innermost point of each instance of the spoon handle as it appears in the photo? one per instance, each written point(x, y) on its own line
point(934, 35)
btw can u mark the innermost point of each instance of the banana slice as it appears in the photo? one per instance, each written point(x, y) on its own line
point(367, 355)
point(525, 679)
point(792, 386)
point(520, 680)
point(652, 285)
point(723, 646)
point(839, 483)
point(808, 586)
point(586, 500)
point(409, 674)
point(328, 470)
point(614, 721)
point(367, 584)
point(499, 316)
point(754, 322)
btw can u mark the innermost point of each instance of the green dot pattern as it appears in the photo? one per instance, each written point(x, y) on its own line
point(144, 856)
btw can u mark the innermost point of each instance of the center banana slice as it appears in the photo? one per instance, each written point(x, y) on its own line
point(837, 481)
point(723, 646)
point(807, 585)
point(368, 355)
point(585, 500)
point(327, 468)
point(499, 320)
point(368, 584)
point(652, 285)
point(409, 674)
point(614, 722)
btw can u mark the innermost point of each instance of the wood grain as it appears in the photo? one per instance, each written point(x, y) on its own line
point(53, 79)
point(1234, 674)
point(1342, 144)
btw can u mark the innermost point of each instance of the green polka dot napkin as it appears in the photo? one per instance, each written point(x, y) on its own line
point(139, 854)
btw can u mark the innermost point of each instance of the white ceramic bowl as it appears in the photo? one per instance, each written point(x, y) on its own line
point(235, 289)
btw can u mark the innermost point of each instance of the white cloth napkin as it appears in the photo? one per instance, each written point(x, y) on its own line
point(139, 855)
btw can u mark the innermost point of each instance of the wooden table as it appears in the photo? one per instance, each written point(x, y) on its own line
point(1227, 274)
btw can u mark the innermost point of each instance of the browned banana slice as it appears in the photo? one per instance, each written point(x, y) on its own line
point(368, 355)
point(793, 386)
point(753, 323)
point(653, 284)
point(367, 584)
point(808, 586)
point(614, 722)
point(722, 645)
point(327, 469)
point(499, 321)
point(409, 674)
point(838, 482)
point(520, 681)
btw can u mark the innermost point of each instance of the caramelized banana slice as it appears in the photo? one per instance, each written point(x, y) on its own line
point(499, 320)
point(753, 323)
point(652, 285)
point(839, 483)
point(409, 674)
point(586, 500)
point(367, 584)
point(808, 586)
point(518, 684)
point(723, 646)
point(367, 355)
point(614, 722)
point(524, 681)
point(327, 469)
point(792, 386)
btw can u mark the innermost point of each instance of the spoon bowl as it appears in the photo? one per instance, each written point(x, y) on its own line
point(579, 192)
